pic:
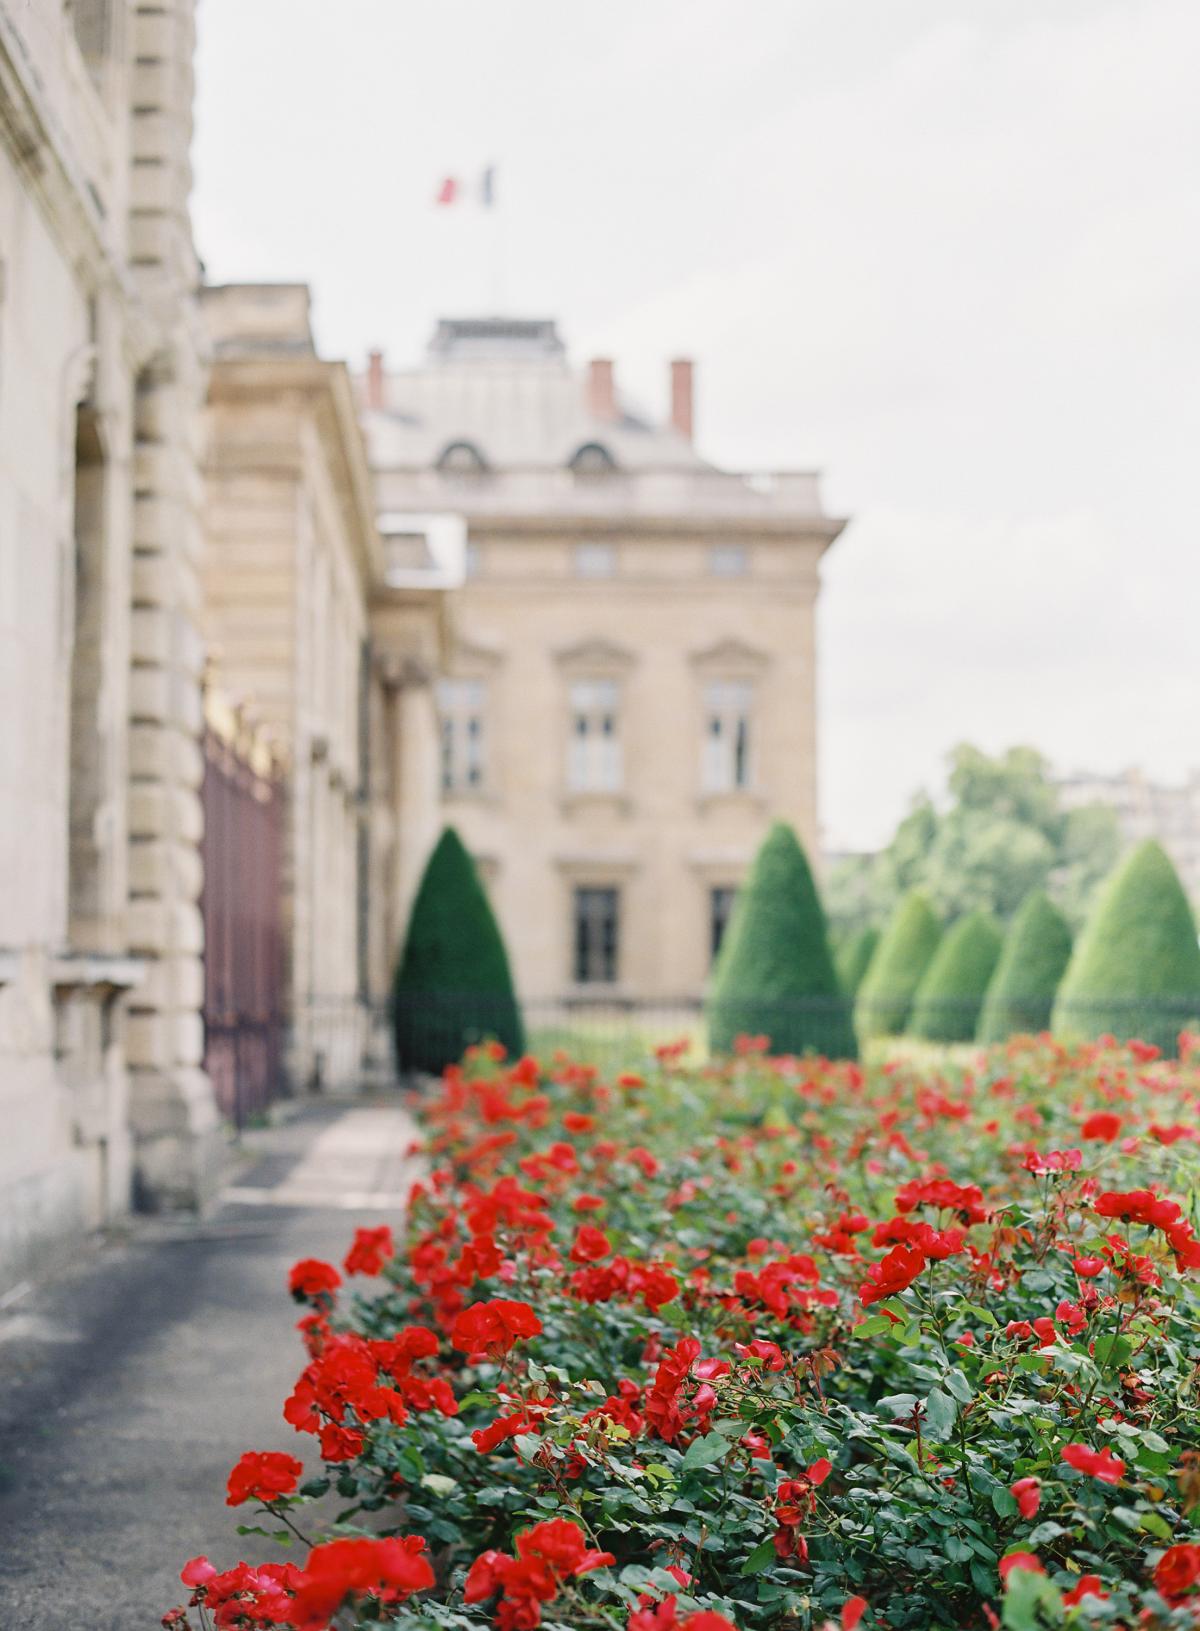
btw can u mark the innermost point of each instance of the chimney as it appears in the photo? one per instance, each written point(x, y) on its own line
point(374, 379)
point(601, 389)
point(683, 371)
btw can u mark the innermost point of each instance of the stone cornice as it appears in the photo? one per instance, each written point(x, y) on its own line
point(41, 152)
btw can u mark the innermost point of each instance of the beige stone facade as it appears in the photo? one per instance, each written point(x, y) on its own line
point(336, 663)
point(101, 375)
point(631, 694)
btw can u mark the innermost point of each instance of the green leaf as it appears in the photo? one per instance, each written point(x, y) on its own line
point(760, 1558)
point(941, 1412)
point(875, 1326)
point(1155, 1524)
point(1031, 1602)
point(958, 1385)
point(1112, 1352)
point(896, 1405)
point(439, 1483)
point(706, 1451)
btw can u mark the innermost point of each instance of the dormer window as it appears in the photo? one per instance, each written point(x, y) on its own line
point(462, 459)
point(592, 459)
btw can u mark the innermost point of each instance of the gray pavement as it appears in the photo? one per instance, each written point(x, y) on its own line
point(132, 1380)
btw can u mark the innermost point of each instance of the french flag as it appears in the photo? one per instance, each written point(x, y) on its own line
point(482, 192)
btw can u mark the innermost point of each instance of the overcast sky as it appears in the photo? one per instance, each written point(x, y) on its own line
point(946, 251)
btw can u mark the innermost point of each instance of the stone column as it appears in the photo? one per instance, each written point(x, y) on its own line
point(173, 1113)
point(417, 785)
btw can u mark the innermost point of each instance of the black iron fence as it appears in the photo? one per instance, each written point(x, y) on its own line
point(613, 1031)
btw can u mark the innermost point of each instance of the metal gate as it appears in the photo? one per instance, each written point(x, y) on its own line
point(243, 929)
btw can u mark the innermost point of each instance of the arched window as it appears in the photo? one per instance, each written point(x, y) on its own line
point(462, 459)
point(592, 460)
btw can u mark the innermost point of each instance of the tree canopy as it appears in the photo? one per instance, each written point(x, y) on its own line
point(1135, 971)
point(775, 975)
point(452, 985)
point(1037, 948)
point(1000, 833)
point(901, 958)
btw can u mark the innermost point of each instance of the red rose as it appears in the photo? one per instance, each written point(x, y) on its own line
point(1088, 1585)
point(263, 1475)
point(312, 1278)
point(372, 1248)
point(1020, 1560)
point(1105, 1126)
point(1027, 1493)
point(1099, 1464)
point(853, 1610)
point(892, 1275)
point(390, 1569)
point(494, 1327)
point(1177, 1570)
point(590, 1244)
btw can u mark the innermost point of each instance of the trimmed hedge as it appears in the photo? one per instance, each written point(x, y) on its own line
point(452, 985)
point(854, 959)
point(950, 996)
point(904, 952)
point(1037, 949)
point(775, 976)
point(1135, 971)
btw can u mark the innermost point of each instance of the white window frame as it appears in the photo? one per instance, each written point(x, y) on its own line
point(594, 763)
point(726, 752)
point(462, 734)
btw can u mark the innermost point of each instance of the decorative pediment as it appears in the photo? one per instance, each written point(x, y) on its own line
point(471, 657)
point(730, 657)
point(596, 656)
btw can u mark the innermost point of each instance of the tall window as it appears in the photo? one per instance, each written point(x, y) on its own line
point(727, 719)
point(720, 910)
point(594, 748)
point(461, 704)
point(597, 934)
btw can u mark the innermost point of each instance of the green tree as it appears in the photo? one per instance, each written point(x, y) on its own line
point(1135, 971)
point(854, 958)
point(775, 975)
point(901, 958)
point(1020, 996)
point(452, 985)
point(951, 992)
point(1000, 834)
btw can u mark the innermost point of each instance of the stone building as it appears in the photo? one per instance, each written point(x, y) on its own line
point(629, 699)
point(1147, 809)
point(101, 378)
point(335, 656)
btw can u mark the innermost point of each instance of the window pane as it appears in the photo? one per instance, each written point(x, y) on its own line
point(461, 707)
point(720, 910)
point(596, 932)
point(725, 753)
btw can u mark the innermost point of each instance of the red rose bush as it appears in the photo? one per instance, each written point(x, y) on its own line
point(755, 1345)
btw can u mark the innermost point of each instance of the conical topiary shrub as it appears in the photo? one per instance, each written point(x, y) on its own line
point(951, 992)
point(1037, 948)
point(452, 985)
point(854, 959)
point(775, 975)
point(1135, 971)
point(901, 958)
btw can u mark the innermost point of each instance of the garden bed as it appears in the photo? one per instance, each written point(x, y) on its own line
point(764, 1343)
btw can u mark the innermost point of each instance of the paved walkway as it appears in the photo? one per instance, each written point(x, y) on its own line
point(130, 1383)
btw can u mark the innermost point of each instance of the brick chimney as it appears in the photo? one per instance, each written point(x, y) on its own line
point(683, 371)
point(374, 379)
point(601, 389)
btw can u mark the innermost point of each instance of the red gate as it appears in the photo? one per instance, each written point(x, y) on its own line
point(243, 930)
